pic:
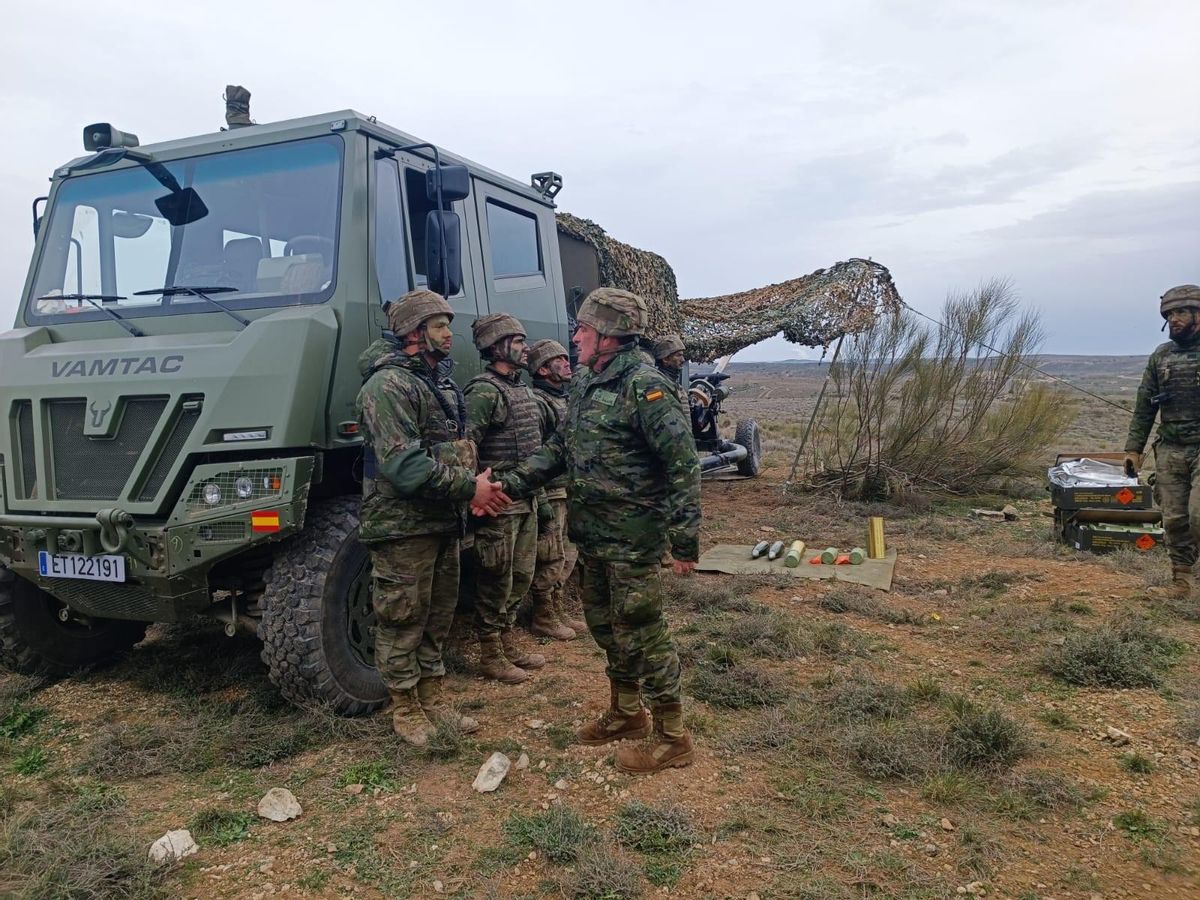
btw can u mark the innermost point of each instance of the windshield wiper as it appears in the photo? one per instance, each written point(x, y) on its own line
point(92, 298)
point(202, 292)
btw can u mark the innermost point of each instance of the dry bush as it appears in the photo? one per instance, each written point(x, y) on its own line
point(919, 407)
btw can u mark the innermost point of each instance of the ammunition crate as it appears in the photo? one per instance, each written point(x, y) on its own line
point(1100, 537)
point(1139, 496)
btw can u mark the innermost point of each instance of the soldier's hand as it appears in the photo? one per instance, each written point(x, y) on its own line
point(489, 499)
point(682, 567)
point(1133, 464)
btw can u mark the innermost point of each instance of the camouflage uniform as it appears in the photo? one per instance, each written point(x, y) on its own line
point(556, 554)
point(633, 488)
point(1170, 389)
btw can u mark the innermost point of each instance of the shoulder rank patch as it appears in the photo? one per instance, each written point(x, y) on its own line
point(654, 394)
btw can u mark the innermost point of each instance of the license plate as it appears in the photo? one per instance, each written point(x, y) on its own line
point(75, 565)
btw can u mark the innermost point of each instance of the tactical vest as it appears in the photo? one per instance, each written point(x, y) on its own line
point(556, 403)
point(519, 435)
point(1179, 382)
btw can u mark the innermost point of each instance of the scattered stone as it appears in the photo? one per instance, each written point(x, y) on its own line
point(354, 789)
point(561, 784)
point(279, 805)
point(1117, 736)
point(535, 724)
point(993, 515)
point(543, 764)
point(889, 821)
point(930, 849)
point(172, 846)
point(766, 529)
point(947, 825)
point(491, 773)
point(438, 887)
point(1010, 513)
point(523, 762)
point(1058, 641)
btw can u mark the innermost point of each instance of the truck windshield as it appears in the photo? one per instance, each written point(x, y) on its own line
point(266, 232)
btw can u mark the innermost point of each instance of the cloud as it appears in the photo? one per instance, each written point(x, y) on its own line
point(1145, 214)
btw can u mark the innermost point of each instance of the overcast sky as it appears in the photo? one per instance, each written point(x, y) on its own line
point(1053, 143)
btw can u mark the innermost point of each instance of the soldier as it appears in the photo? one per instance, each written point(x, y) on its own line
point(418, 475)
point(668, 355)
point(503, 420)
point(633, 487)
point(1171, 388)
point(550, 367)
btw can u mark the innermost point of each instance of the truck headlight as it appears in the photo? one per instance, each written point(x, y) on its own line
point(212, 493)
point(244, 487)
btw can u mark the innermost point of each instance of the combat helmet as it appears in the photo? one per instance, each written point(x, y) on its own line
point(1185, 296)
point(542, 352)
point(493, 327)
point(666, 345)
point(408, 312)
point(613, 312)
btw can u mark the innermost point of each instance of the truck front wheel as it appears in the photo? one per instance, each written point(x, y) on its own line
point(318, 624)
point(34, 638)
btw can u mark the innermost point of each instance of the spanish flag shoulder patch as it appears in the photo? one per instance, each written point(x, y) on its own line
point(654, 394)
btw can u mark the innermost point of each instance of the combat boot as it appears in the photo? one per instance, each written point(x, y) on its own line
point(408, 719)
point(429, 693)
point(670, 745)
point(625, 718)
point(493, 663)
point(546, 624)
point(515, 655)
point(1180, 587)
point(560, 611)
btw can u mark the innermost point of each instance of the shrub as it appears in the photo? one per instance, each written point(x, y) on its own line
point(601, 874)
point(984, 738)
point(656, 829)
point(559, 834)
point(863, 697)
point(1125, 653)
point(220, 827)
point(740, 687)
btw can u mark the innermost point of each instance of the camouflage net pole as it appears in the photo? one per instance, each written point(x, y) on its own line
point(813, 310)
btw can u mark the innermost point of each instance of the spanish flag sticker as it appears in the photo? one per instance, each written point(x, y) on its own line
point(654, 395)
point(264, 521)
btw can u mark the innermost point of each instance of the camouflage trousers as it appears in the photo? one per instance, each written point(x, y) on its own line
point(623, 609)
point(556, 557)
point(1177, 493)
point(505, 553)
point(414, 589)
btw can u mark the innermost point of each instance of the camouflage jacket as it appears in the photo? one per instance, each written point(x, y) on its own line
point(1170, 388)
point(507, 432)
point(633, 476)
point(552, 402)
point(419, 473)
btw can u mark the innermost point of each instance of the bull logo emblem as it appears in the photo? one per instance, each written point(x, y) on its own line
point(99, 414)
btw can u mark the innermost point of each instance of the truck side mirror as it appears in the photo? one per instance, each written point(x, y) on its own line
point(456, 183)
point(443, 252)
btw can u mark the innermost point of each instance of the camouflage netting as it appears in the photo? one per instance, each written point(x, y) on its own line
point(812, 310)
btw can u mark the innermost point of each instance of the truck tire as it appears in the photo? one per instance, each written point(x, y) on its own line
point(316, 629)
point(748, 436)
point(34, 640)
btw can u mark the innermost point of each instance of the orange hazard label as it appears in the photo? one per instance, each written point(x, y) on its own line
point(1124, 496)
point(1145, 542)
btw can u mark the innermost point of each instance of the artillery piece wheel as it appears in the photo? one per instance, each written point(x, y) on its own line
point(747, 434)
point(34, 639)
point(318, 623)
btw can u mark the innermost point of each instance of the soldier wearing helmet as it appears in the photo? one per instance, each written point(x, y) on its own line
point(419, 473)
point(550, 366)
point(1170, 389)
point(668, 354)
point(503, 420)
point(633, 488)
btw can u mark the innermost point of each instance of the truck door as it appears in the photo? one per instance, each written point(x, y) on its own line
point(517, 265)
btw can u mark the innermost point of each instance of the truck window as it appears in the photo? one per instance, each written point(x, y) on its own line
point(514, 238)
point(270, 232)
point(390, 269)
point(419, 207)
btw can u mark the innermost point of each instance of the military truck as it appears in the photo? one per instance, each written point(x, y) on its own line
point(177, 429)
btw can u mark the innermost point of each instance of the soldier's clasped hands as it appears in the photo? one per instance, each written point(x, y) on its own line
point(489, 499)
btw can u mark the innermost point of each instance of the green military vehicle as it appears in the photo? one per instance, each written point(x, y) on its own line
point(178, 432)
point(177, 429)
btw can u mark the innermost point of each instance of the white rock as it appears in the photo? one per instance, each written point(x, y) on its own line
point(279, 805)
point(561, 784)
point(523, 761)
point(1117, 736)
point(536, 724)
point(172, 846)
point(888, 820)
point(491, 773)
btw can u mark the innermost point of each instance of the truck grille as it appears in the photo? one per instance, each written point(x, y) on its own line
point(180, 432)
point(28, 488)
point(88, 468)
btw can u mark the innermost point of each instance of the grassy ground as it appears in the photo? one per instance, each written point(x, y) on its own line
point(947, 738)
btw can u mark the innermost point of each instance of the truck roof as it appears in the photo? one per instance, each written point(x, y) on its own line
point(349, 119)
